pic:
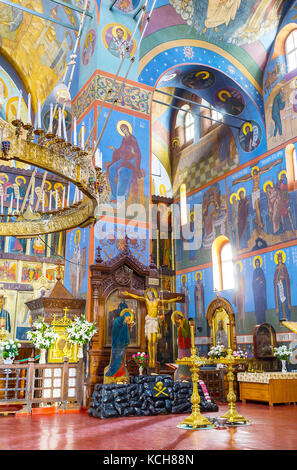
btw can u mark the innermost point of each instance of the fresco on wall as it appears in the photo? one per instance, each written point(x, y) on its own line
point(116, 38)
point(211, 210)
point(269, 296)
point(77, 259)
point(127, 6)
point(89, 46)
point(238, 22)
point(127, 163)
point(263, 292)
point(213, 156)
point(111, 239)
point(262, 212)
point(9, 96)
point(281, 111)
point(279, 86)
point(250, 136)
point(197, 286)
point(41, 48)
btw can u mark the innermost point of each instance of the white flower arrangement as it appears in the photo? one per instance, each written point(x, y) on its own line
point(81, 331)
point(283, 353)
point(9, 349)
point(42, 335)
point(217, 351)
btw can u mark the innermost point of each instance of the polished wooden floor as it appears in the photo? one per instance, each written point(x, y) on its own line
point(272, 428)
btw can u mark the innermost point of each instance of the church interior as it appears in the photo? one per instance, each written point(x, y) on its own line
point(148, 225)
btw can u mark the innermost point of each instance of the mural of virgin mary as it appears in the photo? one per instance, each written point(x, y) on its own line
point(120, 341)
point(124, 170)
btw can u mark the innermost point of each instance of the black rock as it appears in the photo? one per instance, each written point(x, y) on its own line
point(159, 404)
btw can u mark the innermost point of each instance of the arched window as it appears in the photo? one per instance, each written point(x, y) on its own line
point(216, 114)
point(188, 123)
point(227, 266)
point(291, 50)
point(209, 116)
point(223, 274)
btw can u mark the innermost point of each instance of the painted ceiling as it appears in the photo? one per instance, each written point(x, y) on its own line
point(35, 47)
point(243, 29)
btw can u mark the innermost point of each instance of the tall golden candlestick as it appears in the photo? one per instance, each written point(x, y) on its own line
point(232, 415)
point(195, 420)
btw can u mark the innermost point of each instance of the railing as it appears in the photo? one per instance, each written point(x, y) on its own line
point(29, 384)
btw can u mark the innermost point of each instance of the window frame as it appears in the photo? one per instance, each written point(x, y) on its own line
point(217, 263)
point(291, 52)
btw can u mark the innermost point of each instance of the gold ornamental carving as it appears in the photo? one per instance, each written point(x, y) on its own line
point(62, 347)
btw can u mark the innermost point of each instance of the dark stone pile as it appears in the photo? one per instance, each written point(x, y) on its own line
point(142, 397)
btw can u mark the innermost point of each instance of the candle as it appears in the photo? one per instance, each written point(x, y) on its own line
point(68, 194)
point(59, 123)
point(64, 127)
point(50, 130)
point(10, 207)
point(29, 110)
point(98, 159)
point(83, 136)
point(39, 115)
point(74, 133)
point(19, 106)
point(229, 335)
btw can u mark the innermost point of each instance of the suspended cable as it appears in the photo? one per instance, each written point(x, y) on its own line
point(195, 114)
point(131, 62)
point(200, 105)
point(115, 79)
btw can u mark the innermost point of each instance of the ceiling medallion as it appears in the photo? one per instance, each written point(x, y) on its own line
point(52, 153)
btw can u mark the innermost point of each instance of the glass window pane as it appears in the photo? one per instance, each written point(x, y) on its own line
point(291, 61)
point(227, 267)
point(289, 43)
point(294, 35)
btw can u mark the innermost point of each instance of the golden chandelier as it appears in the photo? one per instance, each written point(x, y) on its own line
point(53, 154)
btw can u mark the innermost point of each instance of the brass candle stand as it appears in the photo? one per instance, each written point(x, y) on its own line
point(230, 361)
point(195, 420)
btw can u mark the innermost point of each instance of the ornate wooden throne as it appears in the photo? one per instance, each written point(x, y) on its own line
point(108, 279)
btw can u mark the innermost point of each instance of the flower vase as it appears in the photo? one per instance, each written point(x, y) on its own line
point(42, 359)
point(284, 366)
point(80, 352)
point(8, 360)
point(140, 370)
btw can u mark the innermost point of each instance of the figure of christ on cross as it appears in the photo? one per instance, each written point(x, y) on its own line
point(152, 303)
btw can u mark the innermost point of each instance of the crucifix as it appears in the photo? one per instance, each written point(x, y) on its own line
point(152, 303)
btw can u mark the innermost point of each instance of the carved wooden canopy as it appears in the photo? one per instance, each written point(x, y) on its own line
point(54, 302)
point(218, 306)
point(124, 271)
